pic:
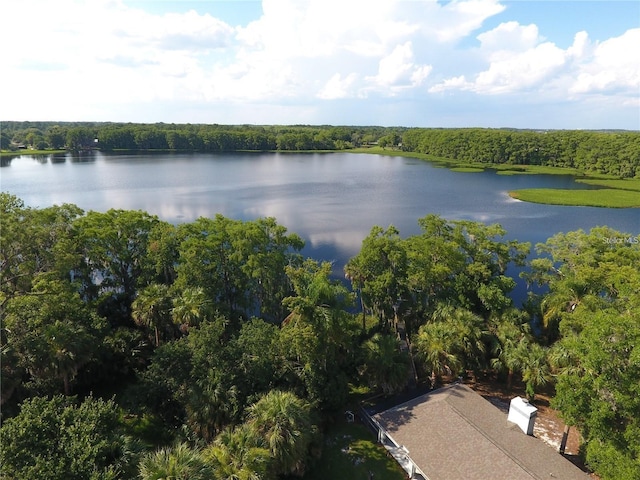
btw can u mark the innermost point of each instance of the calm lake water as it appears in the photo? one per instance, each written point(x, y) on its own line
point(331, 200)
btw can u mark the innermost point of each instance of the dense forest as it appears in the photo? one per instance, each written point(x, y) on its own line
point(134, 348)
point(615, 153)
point(202, 138)
point(607, 152)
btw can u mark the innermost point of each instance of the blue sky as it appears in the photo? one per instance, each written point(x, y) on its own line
point(459, 63)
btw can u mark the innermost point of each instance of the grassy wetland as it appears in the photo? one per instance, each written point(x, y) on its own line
point(606, 197)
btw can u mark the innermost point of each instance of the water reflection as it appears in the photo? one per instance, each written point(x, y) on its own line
point(82, 157)
point(6, 161)
point(41, 159)
point(330, 200)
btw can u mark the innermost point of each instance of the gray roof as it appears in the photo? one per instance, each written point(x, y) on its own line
point(453, 433)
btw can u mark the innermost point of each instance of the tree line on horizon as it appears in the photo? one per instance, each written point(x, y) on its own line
point(612, 152)
point(134, 348)
point(606, 152)
point(181, 137)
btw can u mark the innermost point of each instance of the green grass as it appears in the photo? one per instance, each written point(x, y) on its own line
point(387, 152)
point(535, 170)
point(17, 153)
point(606, 197)
point(350, 451)
point(616, 194)
point(500, 168)
point(467, 169)
point(626, 184)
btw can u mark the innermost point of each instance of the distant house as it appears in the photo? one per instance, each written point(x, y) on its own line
point(455, 434)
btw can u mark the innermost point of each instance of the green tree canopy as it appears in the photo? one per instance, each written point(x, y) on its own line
point(113, 250)
point(51, 334)
point(286, 424)
point(452, 341)
point(385, 365)
point(240, 454)
point(60, 438)
point(593, 305)
point(318, 338)
point(30, 244)
point(176, 463)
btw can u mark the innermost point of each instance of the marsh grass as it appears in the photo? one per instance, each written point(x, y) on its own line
point(500, 168)
point(467, 169)
point(535, 170)
point(605, 197)
point(618, 184)
point(18, 153)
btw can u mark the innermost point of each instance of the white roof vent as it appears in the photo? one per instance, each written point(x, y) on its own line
point(523, 414)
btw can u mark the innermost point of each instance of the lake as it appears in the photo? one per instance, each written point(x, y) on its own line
point(330, 199)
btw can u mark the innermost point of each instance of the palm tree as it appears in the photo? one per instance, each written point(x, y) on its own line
point(437, 345)
point(453, 340)
point(69, 349)
point(320, 304)
point(353, 273)
point(191, 307)
point(317, 296)
point(512, 341)
point(239, 454)
point(177, 463)
point(471, 334)
point(152, 308)
point(535, 368)
point(285, 423)
point(210, 407)
point(564, 357)
point(386, 365)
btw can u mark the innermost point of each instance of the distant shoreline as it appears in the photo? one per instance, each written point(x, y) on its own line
point(615, 192)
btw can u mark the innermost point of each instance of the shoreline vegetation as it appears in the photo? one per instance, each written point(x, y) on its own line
point(215, 348)
point(606, 197)
point(614, 192)
point(606, 160)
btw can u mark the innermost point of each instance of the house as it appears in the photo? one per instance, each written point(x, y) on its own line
point(455, 434)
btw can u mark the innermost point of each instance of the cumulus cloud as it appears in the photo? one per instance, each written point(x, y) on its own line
point(613, 66)
point(521, 70)
point(80, 58)
point(323, 49)
point(520, 60)
point(337, 87)
point(399, 70)
point(454, 83)
point(370, 42)
point(509, 36)
point(456, 20)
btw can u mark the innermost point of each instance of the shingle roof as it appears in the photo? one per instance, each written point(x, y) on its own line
point(453, 433)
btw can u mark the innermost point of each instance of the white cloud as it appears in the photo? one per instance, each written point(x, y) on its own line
point(456, 20)
point(337, 87)
point(509, 36)
point(399, 70)
point(89, 59)
point(519, 60)
point(613, 66)
point(581, 45)
point(521, 70)
point(313, 49)
point(455, 83)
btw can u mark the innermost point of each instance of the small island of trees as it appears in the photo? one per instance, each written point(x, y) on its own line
point(133, 348)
